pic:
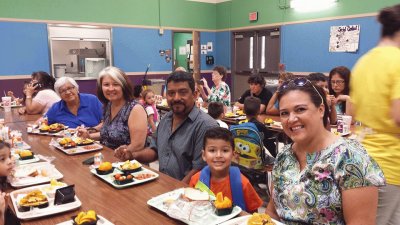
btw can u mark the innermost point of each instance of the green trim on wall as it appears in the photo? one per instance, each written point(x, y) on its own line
point(174, 13)
point(269, 11)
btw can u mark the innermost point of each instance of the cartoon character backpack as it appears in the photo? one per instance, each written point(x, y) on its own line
point(249, 145)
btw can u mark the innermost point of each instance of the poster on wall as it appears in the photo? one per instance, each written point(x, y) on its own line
point(344, 38)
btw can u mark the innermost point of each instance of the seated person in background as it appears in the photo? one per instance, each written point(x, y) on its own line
point(220, 91)
point(124, 126)
point(258, 90)
point(137, 93)
point(40, 95)
point(319, 79)
point(216, 111)
point(220, 176)
point(320, 178)
point(273, 104)
point(251, 106)
point(20, 101)
point(179, 138)
point(74, 109)
point(152, 114)
point(339, 89)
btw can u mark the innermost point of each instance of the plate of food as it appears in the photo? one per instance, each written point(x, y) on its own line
point(191, 206)
point(24, 156)
point(87, 218)
point(255, 219)
point(72, 146)
point(55, 129)
point(34, 202)
point(119, 178)
point(34, 173)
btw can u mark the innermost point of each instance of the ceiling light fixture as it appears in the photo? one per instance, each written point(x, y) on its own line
point(311, 5)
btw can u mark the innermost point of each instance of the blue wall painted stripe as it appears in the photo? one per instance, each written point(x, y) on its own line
point(24, 48)
point(305, 46)
point(134, 48)
point(206, 37)
point(223, 49)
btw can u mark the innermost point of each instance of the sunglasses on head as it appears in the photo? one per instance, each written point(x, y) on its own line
point(299, 82)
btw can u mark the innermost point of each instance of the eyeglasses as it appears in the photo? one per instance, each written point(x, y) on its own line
point(337, 82)
point(299, 82)
point(63, 91)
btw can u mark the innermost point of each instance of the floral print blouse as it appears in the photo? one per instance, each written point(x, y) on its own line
point(221, 94)
point(313, 195)
point(115, 133)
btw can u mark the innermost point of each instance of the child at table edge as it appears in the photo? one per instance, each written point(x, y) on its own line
point(7, 217)
point(218, 151)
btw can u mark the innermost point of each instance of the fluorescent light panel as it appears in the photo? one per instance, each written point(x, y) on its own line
point(311, 5)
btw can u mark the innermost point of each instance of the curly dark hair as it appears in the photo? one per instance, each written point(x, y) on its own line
point(256, 79)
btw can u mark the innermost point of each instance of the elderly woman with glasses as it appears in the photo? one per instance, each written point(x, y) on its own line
point(320, 178)
point(74, 109)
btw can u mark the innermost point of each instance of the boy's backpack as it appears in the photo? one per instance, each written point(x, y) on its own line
point(249, 145)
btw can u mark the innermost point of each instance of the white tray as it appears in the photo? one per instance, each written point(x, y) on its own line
point(242, 220)
point(26, 161)
point(22, 181)
point(101, 221)
point(109, 178)
point(36, 212)
point(78, 149)
point(37, 131)
point(211, 218)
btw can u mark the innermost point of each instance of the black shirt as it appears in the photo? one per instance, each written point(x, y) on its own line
point(264, 96)
point(268, 142)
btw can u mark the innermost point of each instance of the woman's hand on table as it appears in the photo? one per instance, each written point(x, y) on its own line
point(22, 110)
point(123, 153)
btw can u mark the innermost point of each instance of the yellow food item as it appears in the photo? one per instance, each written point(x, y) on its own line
point(33, 198)
point(260, 219)
point(240, 113)
point(269, 120)
point(228, 114)
point(44, 127)
point(222, 202)
point(84, 217)
point(105, 166)
point(130, 166)
point(25, 153)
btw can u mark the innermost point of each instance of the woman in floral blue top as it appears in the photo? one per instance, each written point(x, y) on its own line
point(125, 122)
point(220, 92)
point(320, 178)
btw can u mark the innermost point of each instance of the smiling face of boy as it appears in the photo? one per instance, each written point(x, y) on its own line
point(218, 155)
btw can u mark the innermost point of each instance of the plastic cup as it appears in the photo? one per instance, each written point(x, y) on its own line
point(6, 102)
point(346, 123)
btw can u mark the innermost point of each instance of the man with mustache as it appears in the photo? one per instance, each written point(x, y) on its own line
point(179, 138)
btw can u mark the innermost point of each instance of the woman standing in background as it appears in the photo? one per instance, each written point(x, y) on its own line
point(220, 91)
point(375, 94)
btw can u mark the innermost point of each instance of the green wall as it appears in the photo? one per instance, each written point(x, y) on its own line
point(234, 14)
point(180, 40)
point(174, 13)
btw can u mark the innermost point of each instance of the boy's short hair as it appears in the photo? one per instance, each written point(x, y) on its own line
point(218, 133)
point(256, 79)
point(316, 77)
point(215, 109)
point(252, 106)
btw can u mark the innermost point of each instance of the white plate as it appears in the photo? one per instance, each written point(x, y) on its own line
point(78, 149)
point(242, 220)
point(211, 218)
point(24, 146)
point(101, 221)
point(109, 178)
point(26, 161)
point(20, 178)
point(36, 212)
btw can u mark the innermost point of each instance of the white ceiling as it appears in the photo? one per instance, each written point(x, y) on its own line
point(210, 1)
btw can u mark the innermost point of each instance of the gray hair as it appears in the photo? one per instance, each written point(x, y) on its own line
point(62, 81)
